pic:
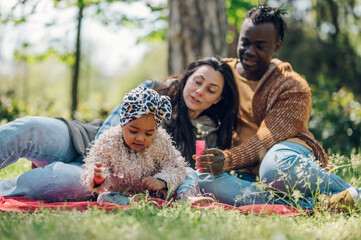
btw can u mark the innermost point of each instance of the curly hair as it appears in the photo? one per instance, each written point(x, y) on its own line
point(266, 14)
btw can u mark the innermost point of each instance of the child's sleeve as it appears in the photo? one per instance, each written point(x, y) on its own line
point(172, 164)
point(97, 153)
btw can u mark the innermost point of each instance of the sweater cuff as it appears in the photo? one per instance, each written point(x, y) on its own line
point(227, 161)
point(166, 185)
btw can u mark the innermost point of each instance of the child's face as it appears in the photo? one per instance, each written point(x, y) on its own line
point(139, 133)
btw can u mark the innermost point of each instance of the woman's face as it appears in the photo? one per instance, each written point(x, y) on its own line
point(139, 133)
point(203, 89)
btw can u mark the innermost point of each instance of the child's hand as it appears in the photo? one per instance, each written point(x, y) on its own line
point(99, 175)
point(153, 184)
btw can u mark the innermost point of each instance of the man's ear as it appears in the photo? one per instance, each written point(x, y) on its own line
point(278, 46)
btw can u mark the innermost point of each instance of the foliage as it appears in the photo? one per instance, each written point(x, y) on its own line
point(153, 66)
point(13, 170)
point(104, 10)
point(323, 40)
point(10, 107)
point(236, 13)
point(336, 64)
point(336, 120)
point(348, 168)
point(96, 101)
point(108, 12)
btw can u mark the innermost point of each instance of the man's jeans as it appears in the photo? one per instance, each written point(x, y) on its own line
point(288, 169)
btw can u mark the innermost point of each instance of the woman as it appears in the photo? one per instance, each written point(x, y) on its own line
point(201, 96)
point(58, 146)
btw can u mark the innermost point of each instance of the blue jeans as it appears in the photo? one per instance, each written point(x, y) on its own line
point(287, 168)
point(190, 182)
point(46, 142)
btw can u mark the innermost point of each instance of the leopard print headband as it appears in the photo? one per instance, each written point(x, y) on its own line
point(141, 101)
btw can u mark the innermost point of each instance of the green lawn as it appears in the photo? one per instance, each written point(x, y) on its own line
point(180, 222)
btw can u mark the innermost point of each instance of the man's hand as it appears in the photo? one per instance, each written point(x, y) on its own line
point(99, 175)
point(153, 184)
point(212, 162)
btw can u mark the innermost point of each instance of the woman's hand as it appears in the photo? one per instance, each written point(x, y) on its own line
point(99, 175)
point(212, 162)
point(153, 184)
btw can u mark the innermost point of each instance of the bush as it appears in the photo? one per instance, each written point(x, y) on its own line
point(336, 121)
point(10, 108)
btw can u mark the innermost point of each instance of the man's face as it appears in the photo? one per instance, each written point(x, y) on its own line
point(256, 46)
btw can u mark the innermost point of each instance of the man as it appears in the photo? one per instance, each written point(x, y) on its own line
point(272, 140)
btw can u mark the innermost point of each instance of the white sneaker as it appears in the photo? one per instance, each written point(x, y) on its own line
point(200, 200)
point(345, 200)
point(192, 197)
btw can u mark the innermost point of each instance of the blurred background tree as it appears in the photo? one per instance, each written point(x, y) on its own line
point(24, 9)
point(322, 44)
point(196, 28)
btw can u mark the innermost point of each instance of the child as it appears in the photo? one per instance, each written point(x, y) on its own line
point(136, 155)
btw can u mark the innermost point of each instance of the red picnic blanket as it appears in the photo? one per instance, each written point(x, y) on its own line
point(19, 204)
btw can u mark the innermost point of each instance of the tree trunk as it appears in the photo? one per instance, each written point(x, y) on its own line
point(197, 28)
point(76, 67)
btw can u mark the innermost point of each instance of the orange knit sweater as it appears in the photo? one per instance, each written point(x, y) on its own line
point(281, 107)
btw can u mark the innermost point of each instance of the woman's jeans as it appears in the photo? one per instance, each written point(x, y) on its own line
point(46, 142)
point(289, 174)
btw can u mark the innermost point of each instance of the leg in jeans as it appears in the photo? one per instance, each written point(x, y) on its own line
point(55, 182)
point(234, 190)
point(289, 166)
point(190, 184)
point(47, 143)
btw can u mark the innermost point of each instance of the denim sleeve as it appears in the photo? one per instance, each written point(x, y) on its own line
point(113, 118)
point(146, 83)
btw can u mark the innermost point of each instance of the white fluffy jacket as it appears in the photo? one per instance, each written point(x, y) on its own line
point(127, 168)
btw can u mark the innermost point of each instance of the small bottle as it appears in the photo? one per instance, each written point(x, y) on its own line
point(200, 146)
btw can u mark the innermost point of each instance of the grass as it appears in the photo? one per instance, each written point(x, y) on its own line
point(15, 169)
point(180, 222)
